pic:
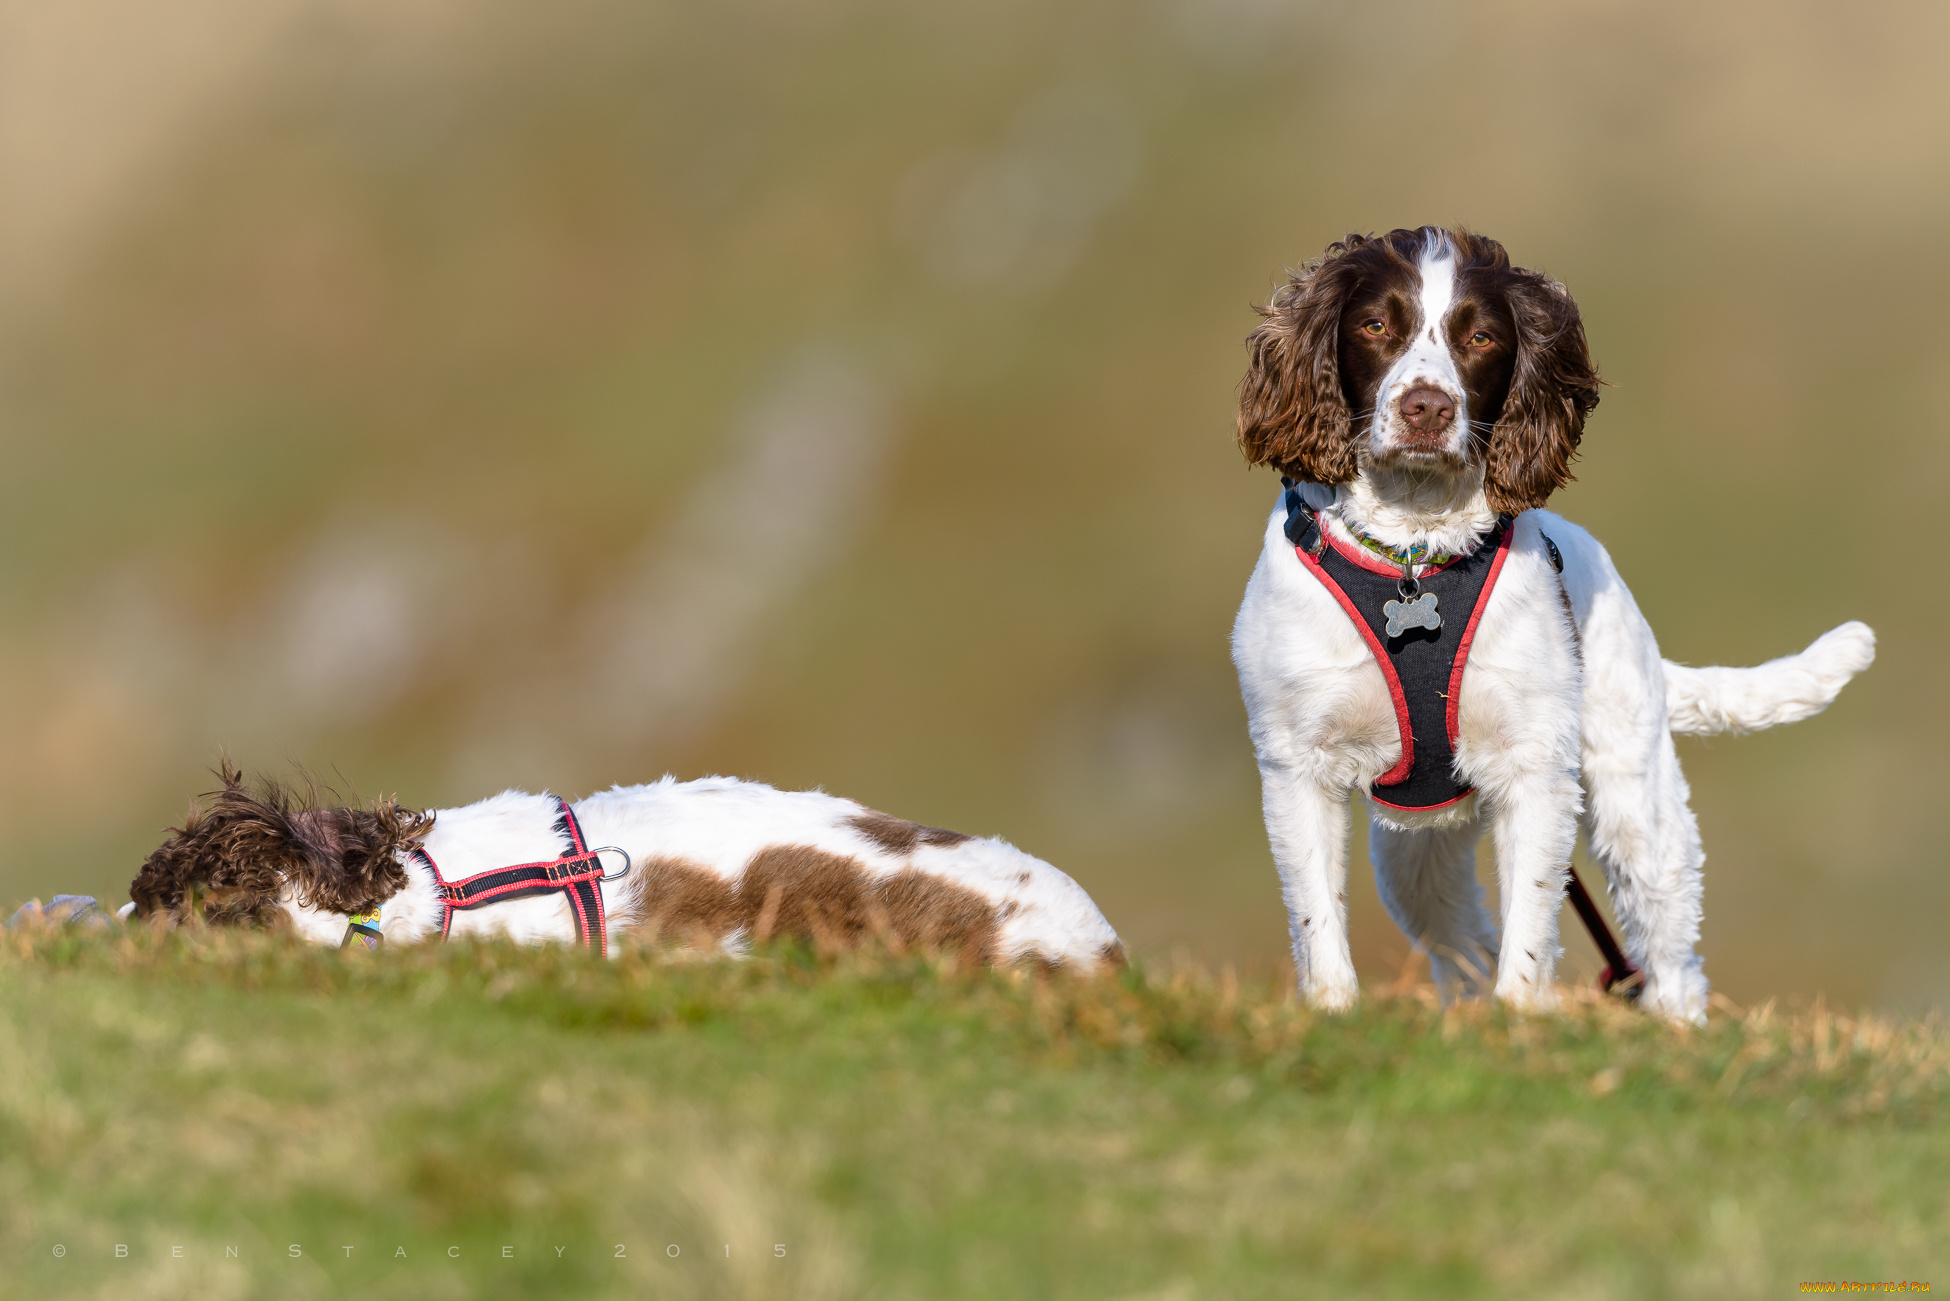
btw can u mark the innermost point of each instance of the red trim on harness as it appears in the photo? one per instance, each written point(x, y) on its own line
point(1420, 808)
point(577, 873)
point(457, 896)
point(1469, 632)
point(1401, 770)
point(594, 930)
point(1368, 560)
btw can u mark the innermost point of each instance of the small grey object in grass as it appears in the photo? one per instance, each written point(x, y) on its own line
point(62, 910)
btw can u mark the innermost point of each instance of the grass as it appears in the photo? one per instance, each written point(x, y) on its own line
point(493, 1121)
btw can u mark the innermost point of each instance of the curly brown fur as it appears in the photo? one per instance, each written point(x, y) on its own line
point(234, 861)
point(1304, 396)
point(1293, 415)
point(1553, 388)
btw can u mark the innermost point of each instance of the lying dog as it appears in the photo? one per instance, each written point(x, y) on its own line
point(1419, 629)
point(718, 861)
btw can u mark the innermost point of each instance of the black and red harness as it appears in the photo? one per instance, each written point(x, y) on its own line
point(577, 873)
point(1422, 657)
point(1422, 665)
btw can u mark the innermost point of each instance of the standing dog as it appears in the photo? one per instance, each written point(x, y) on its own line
point(717, 861)
point(1418, 628)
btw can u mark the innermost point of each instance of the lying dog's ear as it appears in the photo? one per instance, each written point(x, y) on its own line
point(225, 864)
point(234, 861)
point(354, 864)
point(1553, 388)
point(1292, 413)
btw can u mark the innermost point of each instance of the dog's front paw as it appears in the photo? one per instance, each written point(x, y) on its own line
point(1526, 996)
point(1679, 997)
point(1334, 997)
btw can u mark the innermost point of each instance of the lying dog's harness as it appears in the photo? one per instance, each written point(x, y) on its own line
point(578, 873)
point(1419, 630)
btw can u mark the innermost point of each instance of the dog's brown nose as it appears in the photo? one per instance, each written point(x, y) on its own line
point(1427, 410)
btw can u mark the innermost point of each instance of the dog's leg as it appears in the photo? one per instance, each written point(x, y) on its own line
point(1535, 825)
point(1307, 825)
point(1427, 881)
point(1518, 744)
point(1638, 816)
point(1639, 824)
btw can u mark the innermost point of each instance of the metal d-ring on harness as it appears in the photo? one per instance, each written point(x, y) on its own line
point(1416, 609)
point(578, 873)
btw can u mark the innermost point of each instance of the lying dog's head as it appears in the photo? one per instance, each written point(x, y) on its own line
point(1420, 349)
point(251, 850)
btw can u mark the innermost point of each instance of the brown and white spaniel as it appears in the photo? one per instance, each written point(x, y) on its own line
point(1425, 398)
point(715, 862)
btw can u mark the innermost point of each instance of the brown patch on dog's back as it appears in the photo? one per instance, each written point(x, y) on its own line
point(681, 900)
point(898, 835)
point(829, 899)
point(929, 912)
point(799, 890)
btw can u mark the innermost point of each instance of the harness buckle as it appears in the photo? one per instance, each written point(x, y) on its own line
point(607, 875)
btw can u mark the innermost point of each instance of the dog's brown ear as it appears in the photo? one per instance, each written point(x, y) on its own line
point(1292, 414)
point(235, 860)
point(159, 887)
point(354, 863)
point(225, 864)
point(1553, 388)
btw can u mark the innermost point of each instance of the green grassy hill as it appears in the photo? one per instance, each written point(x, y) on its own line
point(492, 1121)
point(374, 418)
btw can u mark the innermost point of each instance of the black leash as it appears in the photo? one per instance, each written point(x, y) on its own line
point(1619, 973)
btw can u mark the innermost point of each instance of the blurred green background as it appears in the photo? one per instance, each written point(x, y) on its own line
point(447, 395)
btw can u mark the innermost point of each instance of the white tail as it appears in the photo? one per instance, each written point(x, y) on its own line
point(1700, 702)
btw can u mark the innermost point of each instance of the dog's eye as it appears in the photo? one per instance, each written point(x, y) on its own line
point(1376, 328)
point(1480, 340)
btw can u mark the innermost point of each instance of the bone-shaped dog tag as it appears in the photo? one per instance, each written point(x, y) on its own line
point(1419, 613)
